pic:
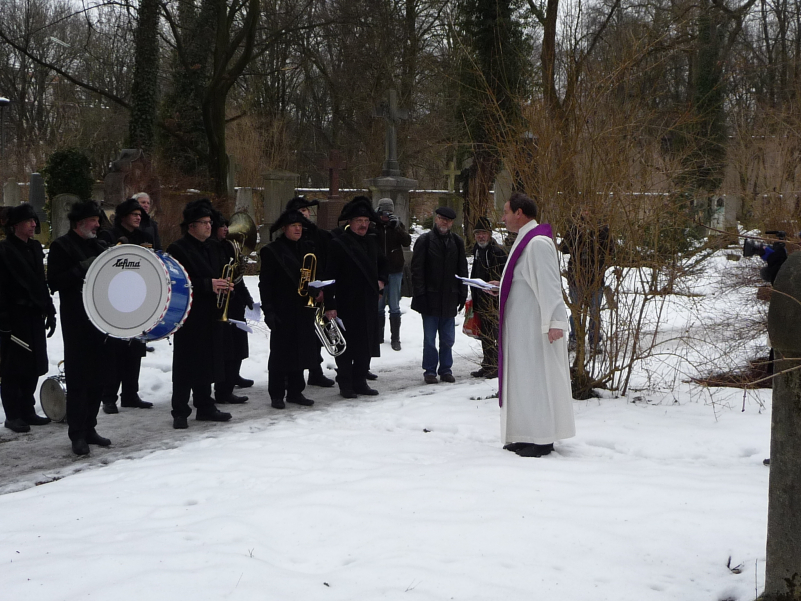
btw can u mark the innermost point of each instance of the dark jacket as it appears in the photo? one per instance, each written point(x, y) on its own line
point(318, 241)
point(293, 343)
point(137, 236)
point(199, 354)
point(589, 247)
point(436, 262)
point(25, 304)
point(151, 227)
point(488, 264)
point(67, 263)
point(357, 265)
point(392, 237)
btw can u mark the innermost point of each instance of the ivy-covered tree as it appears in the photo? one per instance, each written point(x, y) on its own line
point(68, 171)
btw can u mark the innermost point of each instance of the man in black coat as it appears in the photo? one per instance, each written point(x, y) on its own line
point(488, 263)
point(236, 339)
point(320, 239)
point(392, 237)
point(439, 256)
point(124, 357)
point(67, 263)
point(26, 312)
point(294, 346)
point(198, 358)
point(360, 274)
point(148, 225)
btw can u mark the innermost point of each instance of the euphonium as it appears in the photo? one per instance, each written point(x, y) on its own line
point(242, 237)
point(224, 296)
point(308, 273)
point(329, 333)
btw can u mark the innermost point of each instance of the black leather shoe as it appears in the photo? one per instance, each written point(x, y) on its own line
point(17, 425)
point(212, 416)
point(371, 376)
point(430, 379)
point(136, 403)
point(365, 390)
point(36, 420)
point(348, 394)
point(447, 378)
point(300, 400)
point(278, 404)
point(110, 408)
point(395, 345)
point(179, 423)
point(479, 373)
point(95, 438)
point(243, 382)
point(232, 399)
point(79, 447)
point(318, 379)
point(516, 446)
point(150, 349)
point(491, 374)
point(535, 450)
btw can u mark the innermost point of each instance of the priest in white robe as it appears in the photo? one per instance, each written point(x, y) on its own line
point(534, 373)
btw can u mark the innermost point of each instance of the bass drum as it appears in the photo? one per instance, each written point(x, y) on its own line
point(134, 292)
point(53, 396)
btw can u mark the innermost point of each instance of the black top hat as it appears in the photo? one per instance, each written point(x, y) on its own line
point(195, 210)
point(483, 224)
point(446, 212)
point(125, 208)
point(358, 207)
point(22, 213)
point(300, 203)
point(83, 210)
point(289, 217)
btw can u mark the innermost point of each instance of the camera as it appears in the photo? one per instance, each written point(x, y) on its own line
point(774, 254)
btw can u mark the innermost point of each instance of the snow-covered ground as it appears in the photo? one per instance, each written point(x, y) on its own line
point(409, 495)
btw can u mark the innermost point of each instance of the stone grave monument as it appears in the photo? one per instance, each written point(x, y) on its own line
point(279, 188)
point(132, 172)
point(329, 209)
point(244, 202)
point(12, 195)
point(59, 209)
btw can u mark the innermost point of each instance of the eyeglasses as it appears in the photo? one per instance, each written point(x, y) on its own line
point(204, 222)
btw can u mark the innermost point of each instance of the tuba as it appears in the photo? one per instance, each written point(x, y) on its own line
point(327, 330)
point(242, 236)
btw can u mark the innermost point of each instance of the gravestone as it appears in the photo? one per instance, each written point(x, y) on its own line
point(452, 172)
point(59, 209)
point(329, 209)
point(244, 202)
point(504, 186)
point(132, 172)
point(12, 195)
point(279, 188)
point(37, 197)
point(783, 561)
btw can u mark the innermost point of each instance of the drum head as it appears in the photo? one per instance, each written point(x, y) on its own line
point(127, 291)
point(54, 399)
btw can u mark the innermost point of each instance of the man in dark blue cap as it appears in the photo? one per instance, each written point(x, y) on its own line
point(26, 312)
point(438, 257)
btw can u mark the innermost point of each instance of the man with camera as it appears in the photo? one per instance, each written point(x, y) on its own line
point(392, 237)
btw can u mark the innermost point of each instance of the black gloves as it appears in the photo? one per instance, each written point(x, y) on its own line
point(50, 325)
point(394, 221)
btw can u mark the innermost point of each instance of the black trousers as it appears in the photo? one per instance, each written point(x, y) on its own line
point(201, 398)
point(82, 407)
point(123, 363)
point(352, 368)
point(283, 382)
point(17, 393)
point(226, 387)
point(489, 340)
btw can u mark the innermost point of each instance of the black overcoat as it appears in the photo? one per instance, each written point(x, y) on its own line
point(199, 354)
point(436, 262)
point(357, 265)
point(83, 343)
point(488, 264)
point(293, 344)
point(137, 236)
point(151, 227)
point(25, 304)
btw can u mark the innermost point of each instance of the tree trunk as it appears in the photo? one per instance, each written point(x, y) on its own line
point(144, 91)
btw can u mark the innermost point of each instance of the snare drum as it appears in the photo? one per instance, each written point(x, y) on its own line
point(133, 292)
point(53, 396)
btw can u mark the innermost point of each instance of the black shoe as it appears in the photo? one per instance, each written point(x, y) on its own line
point(278, 404)
point(535, 450)
point(516, 446)
point(135, 403)
point(766, 461)
point(300, 400)
point(95, 438)
point(317, 378)
point(212, 415)
point(431, 379)
point(447, 378)
point(232, 399)
point(365, 390)
point(110, 408)
point(150, 349)
point(36, 420)
point(371, 376)
point(479, 373)
point(179, 423)
point(79, 447)
point(491, 374)
point(243, 382)
point(395, 345)
point(17, 425)
point(348, 394)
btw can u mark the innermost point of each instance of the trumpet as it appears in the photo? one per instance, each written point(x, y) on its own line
point(308, 273)
point(224, 296)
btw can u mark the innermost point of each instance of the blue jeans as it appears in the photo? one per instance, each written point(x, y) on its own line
point(446, 328)
point(594, 326)
point(391, 296)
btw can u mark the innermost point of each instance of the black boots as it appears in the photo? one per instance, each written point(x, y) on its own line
point(394, 329)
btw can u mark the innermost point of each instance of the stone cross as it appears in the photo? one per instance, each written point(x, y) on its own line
point(452, 172)
point(389, 111)
point(12, 195)
point(334, 163)
point(783, 558)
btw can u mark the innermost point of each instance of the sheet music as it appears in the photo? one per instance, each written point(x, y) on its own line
point(478, 283)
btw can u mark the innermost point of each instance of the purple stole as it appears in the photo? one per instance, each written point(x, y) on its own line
point(543, 229)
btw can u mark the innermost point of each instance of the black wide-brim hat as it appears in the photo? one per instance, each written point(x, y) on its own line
point(84, 210)
point(126, 207)
point(22, 213)
point(483, 224)
point(299, 202)
point(288, 218)
point(361, 206)
point(195, 210)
